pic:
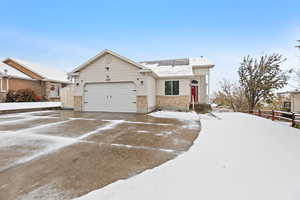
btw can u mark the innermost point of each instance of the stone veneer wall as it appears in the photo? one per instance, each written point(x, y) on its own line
point(142, 104)
point(77, 103)
point(173, 102)
point(56, 99)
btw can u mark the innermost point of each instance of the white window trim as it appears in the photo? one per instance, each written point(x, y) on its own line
point(172, 88)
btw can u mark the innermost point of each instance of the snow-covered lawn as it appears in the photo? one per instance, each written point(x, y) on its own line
point(237, 156)
point(28, 105)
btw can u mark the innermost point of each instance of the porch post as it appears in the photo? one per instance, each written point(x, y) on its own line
point(7, 85)
point(208, 85)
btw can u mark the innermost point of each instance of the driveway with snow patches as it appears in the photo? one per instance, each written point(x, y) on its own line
point(65, 154)
point(236, 157)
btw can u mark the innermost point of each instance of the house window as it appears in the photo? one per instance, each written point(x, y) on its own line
point(287, 106)
point(171, 87)
point(54, 91)
point(194, 82)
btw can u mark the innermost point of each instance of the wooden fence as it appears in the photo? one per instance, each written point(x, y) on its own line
point(67, 96)
point(291, 117)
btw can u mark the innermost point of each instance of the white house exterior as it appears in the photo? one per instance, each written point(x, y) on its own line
point(112, 83)
point(291, 101)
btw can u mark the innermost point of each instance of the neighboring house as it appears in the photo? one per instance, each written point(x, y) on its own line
point(112, 83)
point(291, 101)
point(45, 82)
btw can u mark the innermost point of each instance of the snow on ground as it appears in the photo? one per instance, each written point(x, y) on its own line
point(28, 105)
point(47, 191)
point(236, 157)
point(185, 116)
point(146, 148)
point(191, 117)
point(284, 123)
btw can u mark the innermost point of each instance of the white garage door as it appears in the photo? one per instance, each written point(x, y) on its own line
point(110, 97)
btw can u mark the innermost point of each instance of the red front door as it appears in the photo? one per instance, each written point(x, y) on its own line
point(194, 93)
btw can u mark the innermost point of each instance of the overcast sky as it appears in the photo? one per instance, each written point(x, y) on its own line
point(63, 34)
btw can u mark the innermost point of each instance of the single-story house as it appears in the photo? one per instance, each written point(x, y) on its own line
point(113, 83)
point(45, 82)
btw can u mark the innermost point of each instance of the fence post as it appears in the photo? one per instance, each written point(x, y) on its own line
point(293, 120)
point(259, 112)
point(273, 115)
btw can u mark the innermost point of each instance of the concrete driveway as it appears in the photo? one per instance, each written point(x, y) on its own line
point(65, 154)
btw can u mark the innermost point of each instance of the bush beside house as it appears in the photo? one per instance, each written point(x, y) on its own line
point(22, 95)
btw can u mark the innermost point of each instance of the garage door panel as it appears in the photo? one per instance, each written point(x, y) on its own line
point(110, 97)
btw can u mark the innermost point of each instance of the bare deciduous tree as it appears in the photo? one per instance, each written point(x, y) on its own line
point(260, 77)
point(231, 95)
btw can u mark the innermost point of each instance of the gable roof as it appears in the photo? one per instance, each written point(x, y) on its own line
point(6, 70)
point(177, 67)
point(102, 53)
point(36, 71)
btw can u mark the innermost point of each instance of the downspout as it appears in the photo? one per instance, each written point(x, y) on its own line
point(293, 103)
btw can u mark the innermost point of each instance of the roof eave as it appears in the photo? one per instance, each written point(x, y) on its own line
point(73, 74)
point(57, 81)
point(174, 76)
point(204, 66)
point(149, 71)
point(6, 61)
